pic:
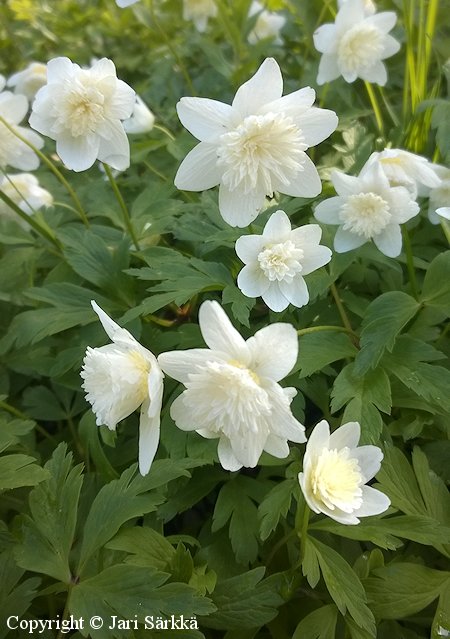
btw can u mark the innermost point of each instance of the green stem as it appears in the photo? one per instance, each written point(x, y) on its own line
point(151, 168)
point(301, 527)
point(316, 329)
point(341, 309)
point(410, 262)
point(53, 169)
point(376, 107)
point(43, 231)
point(123, 206)
point(17, 413)
point(446, 228)
point(163, 129)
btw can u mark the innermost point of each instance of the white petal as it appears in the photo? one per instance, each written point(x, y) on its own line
point(13, 107)
point(274, 298)
point(219, 333)
point(251, 281)
point(248, 247)
point(179, 364)
point(391, 47)
point(306, 183)
point(278, 227)
point(114, 148)
point(401, 205)
point(318, 439)
point(238, 208)
point(328, 68)
point(181, 415)
point(77, 153)
point(317, 125)
point(199, 170)
point(204, 118)
point(293, 104)
point(104, 68)
point(389, 241)
point(296, 291)
point(324, 37)
point(328, 210)
point(123, 102)
point(345, 184)
point(384, 21)
point(306, 235)
point(349, 76)
point(346, 241)
point(59, 69)
point(377, 73)
point(369, 459)
point(274, 351)
point(309, 497)
point(155, 387)
point(276, 446)
point(346, 436)
point(444, 211)
point(226, 455)
point(115, 332)
point(265, 86)
point(350, 13)
point(374, 502)
point(148, 438)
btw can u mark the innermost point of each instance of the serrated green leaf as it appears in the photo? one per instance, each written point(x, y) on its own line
point(49, 533)
point(12, 430)
point(145, 546)
point(436, 285)
point(384, 319)
point(317, 350)
point(319, 624)
point(240, 304)
point(15, 597)
point(19, 470)
point(441, 621)
point(275, 505)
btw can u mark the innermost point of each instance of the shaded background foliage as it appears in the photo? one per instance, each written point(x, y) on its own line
point(93, 537)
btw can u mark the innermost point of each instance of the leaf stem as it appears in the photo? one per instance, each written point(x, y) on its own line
point(301, 527)
point(53, 169)
point(123, 206)
point(376, 107)
point(341, 309)
point(410, 262)
point(316, 329)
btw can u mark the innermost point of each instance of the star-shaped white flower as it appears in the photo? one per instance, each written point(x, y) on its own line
point(232, 389)
point(14, 152)
point(199, 11)
point(255, 146)
point(82, 110)
point(268, 24)
point(355, 45)
point(276, 261)
point(24, 190)
point(367, 208)
point(120, 377)
point(335, 471)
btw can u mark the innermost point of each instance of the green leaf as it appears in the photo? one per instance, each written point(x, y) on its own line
point(245, 601)
point(145, 546)
point(12, 430)
point(403, 589)
point(319, 624)
point(240, 304)
point(344, 586)
point(317, 350)
point(49, 533)
point(384, 319)
point(397, 479)
point(275, 505)
point(441, 621)
point(15, 597)
point(19, 470)
point(436, 285)
point(133, 592)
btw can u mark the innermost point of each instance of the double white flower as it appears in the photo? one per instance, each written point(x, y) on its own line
point(82, 110)
point(232, 391)
point(335, 471)
point(367, 208)
point(255, 146)
point(120, 377)
point(14, 152)
point(355, 45)
point(277, 260)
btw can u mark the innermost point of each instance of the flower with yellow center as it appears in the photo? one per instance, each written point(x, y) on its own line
point(83, 109)
point(121, 377)
point(277, 261)
point(367, 208)
point(254, 147)
point(355, 45)
point(335, 471)
point(232, 391)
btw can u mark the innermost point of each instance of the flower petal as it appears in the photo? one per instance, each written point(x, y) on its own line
point(324, 37)
point(276, 446)
point(13, 107)
point(306, 183)
point(293, 105)
point(376, 73)
point(274, 298)
point(278, 227)
point(318, 439)
point(315, 257)
point(391, 47)
point(328, 68)
point(114, 147)
point(251, 281)
point(374, 502)
point(328, 210)
point(296, 291)
point(384, 21)
point(369, 459)
point(199, 171)
point(346, 436)
point(346, 241)
point(389, 241)
point(77, 153)
point(345, 184)
point(238, 208)
point(59, 69)
point(274, 351)
point(115, 332)
point(181, 415)
point(248, 247)
point(180, 364)
point(219, 333)
point(226, 456)
point(206, 119)
point(148, 437)
point(317, 125)
point(265, 86)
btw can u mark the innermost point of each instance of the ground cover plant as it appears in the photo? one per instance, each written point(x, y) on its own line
point(224, 290)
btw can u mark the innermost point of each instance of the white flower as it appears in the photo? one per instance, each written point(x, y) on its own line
point(14, 152)
point(267, 25)
point(367, 208)
point(369, 6)
point(232, 390)
point(444, 212)
point(30, 80)
point(24, 190)
point(277, 260)
point(403, 168)
point(335, 471)
point(199, 11)
point(141, 120)
point(355, 45)
point(120, 377)
point(2, 82)
point(82, 110)
point(439, 195)
point(254, 146)
point(125, 3)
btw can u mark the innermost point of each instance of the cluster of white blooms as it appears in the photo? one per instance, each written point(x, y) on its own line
point(268, 24)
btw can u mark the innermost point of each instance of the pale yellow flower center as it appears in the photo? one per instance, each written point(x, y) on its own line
point(365, 214)
point(281, 261)
point(263, 153)
point(360, 48)
point(142, 366)
point(336, 480)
